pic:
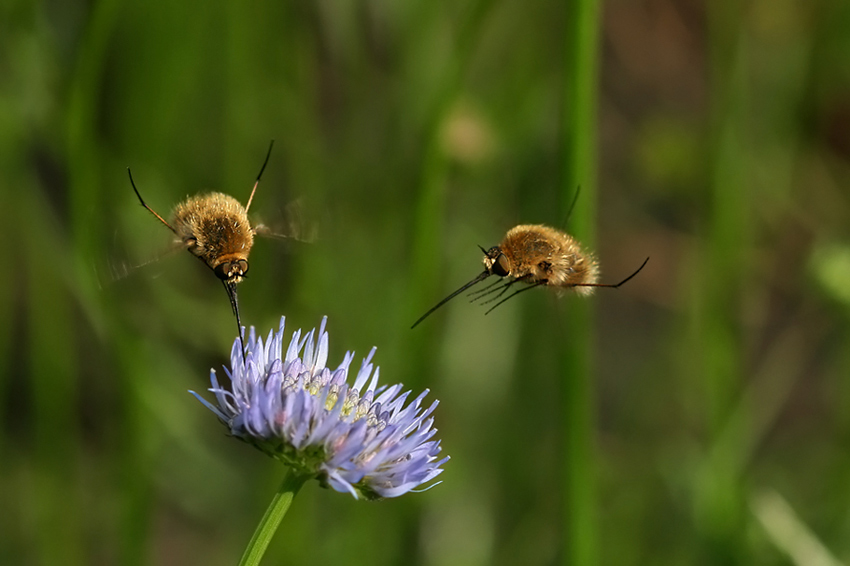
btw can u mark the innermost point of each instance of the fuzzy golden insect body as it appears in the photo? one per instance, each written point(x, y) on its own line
point(215, 228)
point(536, 255)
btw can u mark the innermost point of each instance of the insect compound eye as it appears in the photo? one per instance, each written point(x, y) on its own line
point(501, 266)
point(223, 270)
point(241, 267)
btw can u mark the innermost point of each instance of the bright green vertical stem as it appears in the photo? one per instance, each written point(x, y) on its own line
point(719, 506)
point(580, 538)
point(275, 512)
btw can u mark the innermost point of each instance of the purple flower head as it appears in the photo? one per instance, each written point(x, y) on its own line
point(359, 439)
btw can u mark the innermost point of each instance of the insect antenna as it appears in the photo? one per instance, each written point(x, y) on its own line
point(149, 209)
point(609, 284)
point(481, 277)
point(230, 287)
point(257, 182)
point(538, 284)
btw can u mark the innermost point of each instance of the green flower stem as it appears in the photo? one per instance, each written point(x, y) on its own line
point(290, 485)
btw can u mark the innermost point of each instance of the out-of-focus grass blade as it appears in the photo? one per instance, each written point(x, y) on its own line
point(788, 532)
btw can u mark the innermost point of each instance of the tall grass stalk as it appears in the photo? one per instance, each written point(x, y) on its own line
point(719, 504)
point(85, 186)
point(580, 154)
point(9, 139)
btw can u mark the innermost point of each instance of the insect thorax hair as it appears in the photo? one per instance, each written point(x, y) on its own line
point(539, 253)
point(214, 227)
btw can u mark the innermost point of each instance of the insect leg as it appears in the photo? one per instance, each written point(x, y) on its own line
point(257, 182)
point(503, 289)
point(515, 294)
point(610, 285)
point(474, 295)
point(141, 200)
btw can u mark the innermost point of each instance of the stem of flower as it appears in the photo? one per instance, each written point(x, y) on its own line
point(264, 532)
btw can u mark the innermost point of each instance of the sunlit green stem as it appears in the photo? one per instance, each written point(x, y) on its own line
point(290, 485)
point(580, 163)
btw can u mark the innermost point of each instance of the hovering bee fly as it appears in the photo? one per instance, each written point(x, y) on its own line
point(537, 256)
point(215, 228)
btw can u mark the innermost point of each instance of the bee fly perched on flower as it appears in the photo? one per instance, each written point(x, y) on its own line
point(537, 256)
point(215, 228)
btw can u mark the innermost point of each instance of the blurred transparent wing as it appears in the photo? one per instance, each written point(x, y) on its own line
point(117, 267)
point(294, 226)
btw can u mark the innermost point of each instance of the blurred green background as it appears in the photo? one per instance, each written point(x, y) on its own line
point(698, 415)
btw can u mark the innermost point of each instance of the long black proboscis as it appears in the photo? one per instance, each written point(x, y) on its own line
point(481, 277)
point(230, 287)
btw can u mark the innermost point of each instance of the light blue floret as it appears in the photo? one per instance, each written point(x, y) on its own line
point(360, 439)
